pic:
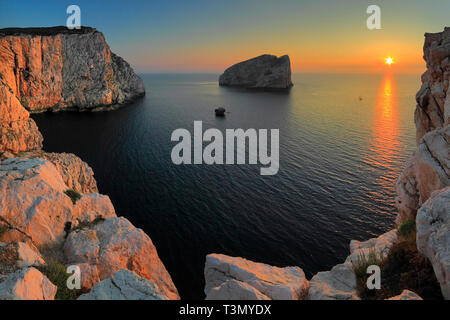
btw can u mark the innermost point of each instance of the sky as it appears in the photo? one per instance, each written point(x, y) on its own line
point(209, 35)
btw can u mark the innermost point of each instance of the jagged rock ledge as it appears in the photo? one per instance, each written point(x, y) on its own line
point(56, 69)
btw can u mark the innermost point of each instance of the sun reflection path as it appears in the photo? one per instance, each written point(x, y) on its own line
point(384, 148)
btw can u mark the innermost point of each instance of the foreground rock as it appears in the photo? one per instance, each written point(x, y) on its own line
point(76, 174)
point(18, 132)
point(235, 290)
point(337, 284)
point(125, 285)
point(229, 278)
point(34, 201)
point(433, 236)
point(26, 284)
point(263, 72)
point(112, 245)
point(379, 246)
point(60, 69)
point(406, 295)
point(426, 172)
point(18, 255)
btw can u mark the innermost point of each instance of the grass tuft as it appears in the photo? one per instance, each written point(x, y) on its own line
point(403, 268)
point(407, 231)
point(56, 273)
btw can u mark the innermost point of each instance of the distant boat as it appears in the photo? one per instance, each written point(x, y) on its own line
point(220, 112)
point(360, 98)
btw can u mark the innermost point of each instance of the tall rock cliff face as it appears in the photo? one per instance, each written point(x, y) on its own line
point(429, 168)
point(423, 188)
point(433, 109)
point(58, 69)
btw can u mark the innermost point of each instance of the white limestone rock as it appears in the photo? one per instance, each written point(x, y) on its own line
point(276, 283)
point(337, 284)
point(433, 236)
point(125, 285)
point(26, 284)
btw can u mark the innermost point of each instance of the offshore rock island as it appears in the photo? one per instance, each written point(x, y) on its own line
point(266, 72)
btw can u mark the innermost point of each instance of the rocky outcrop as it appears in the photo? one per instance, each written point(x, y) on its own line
point(263, 72)
point(267, 282)
point(26, 284)
point(35, 209)
point(34, 201)
point(433, 99)
point(340, 282)
point(17, 255)
point(113, 245)
point(380, 246)
point(433, 236)
point(406, 295)
point(125, 285)
point(337, 284)
point(76, 174)
point(18, 132)
point(60, 69)
point(426, 172)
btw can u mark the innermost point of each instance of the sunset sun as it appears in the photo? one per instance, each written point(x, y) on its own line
point(389, 61)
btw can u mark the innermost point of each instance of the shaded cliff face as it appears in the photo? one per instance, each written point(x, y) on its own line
point(433, 98)
point(57, 69)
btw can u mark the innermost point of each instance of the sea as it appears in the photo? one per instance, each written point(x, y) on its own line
point(343, 142)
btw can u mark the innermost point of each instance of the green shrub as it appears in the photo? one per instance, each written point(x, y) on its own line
point(56, 273)
point(3, 229)
point(73, 195)
point(403, 268)
point(407, 230)
point(360, 270)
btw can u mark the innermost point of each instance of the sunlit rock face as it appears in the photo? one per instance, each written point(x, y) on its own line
point(115, 244)
point(18, 132)
point(433, 109)
point(34, 202)
point(57, 69)
point(433, 236)
point(263, 72)
point(26, 284)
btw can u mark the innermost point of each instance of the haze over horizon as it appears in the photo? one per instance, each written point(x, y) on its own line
point(200, 36)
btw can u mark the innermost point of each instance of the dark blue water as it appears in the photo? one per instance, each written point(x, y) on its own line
point(339, 159)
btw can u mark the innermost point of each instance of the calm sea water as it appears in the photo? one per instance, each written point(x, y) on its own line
point(339, 159)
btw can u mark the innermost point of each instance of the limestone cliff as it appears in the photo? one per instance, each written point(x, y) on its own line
point(429, 168)
point(58, 69)
point(433, 99)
